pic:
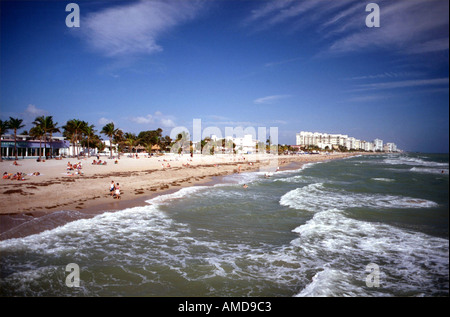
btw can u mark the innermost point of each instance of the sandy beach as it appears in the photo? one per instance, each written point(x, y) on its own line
point(86, 192)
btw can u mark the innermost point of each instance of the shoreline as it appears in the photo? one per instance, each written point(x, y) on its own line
point(44, 202)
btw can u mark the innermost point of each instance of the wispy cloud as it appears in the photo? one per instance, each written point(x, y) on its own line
point(286, 61)
point(143, 119)
point(33, 111)
point(158, 118)
point(292, 13)
point(103, 121)
point(404, 84)
point(388, 75)
point(270, 99)
point(30, 114)
point(135, 28)
point(407, 26)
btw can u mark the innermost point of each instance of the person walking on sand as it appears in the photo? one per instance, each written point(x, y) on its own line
point(112, 188)
point(117, 191)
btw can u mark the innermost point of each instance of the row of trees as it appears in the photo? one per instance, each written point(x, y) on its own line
point(81, 133)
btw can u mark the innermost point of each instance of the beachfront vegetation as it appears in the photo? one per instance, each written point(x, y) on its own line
point(83, 137)
point(110, 131)
point(48, 127)
point(73, 130)
point(37, 133)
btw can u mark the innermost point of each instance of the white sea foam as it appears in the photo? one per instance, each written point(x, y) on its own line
point(403, 160)
point(340, 248)
point(442, 171)
point(181, 193)
point(332, 282)
point(316, 197)
point(382, 179)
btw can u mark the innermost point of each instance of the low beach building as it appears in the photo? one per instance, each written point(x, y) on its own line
point(29, 147)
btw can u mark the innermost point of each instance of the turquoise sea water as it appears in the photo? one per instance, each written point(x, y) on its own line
point(314, 231)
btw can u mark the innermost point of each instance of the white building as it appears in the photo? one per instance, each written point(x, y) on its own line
point(390, 147)
point(377, 145)
point(245, 144)
point(366, 146)
point(333, 141)
point(322, 140)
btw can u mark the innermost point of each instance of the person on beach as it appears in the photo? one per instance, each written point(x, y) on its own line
point(117, 191)
point(112, 188)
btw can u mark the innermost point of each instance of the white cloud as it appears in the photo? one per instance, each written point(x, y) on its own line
point(167, 123)
point(404, 84)
point(270, 99)
point(33, 111)
point(410, 27)
point(143, 119)
point(103, 121)
point(407, 26)
point(157, 119)
point(135, 28)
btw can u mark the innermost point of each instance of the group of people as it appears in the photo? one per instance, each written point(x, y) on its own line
point(114, 190)
point(76, 166)
point(18, 176)
point(99, 162)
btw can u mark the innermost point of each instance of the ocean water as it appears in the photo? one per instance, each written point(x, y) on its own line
point(314, 231)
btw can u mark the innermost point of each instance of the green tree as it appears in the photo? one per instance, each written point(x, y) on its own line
point(15, 124)
point(49, 127)
point(151, 137)
point(89, 134)
point(73, 130)
point(119, 139)
point(37, 132)
point(110, 131)
point(131, 140)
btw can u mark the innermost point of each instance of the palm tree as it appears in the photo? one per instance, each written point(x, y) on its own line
point(110, 131)
point(89, 133)
point(131, 140)
point(49, 127)
point(15, 124)
point(119, 139)
point(52, 129)
point(73, 130)
point(4, 126)
point(37, 132)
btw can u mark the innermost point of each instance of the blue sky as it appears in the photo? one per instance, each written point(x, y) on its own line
point(299, 65)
